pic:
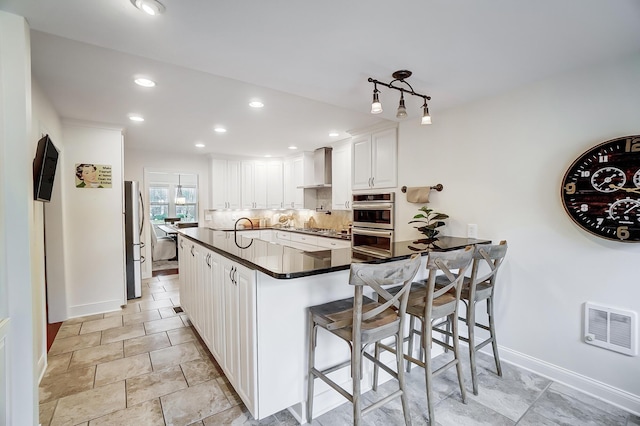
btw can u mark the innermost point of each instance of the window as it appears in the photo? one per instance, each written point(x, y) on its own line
point(161, 205)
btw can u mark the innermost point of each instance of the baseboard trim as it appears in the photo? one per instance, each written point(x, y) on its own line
point(618, 397)
point(94, 308)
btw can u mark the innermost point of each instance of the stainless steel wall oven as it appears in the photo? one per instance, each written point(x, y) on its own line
point(373, 223)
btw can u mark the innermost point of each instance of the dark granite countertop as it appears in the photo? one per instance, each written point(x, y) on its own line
point(312, 231)
point(284, 262)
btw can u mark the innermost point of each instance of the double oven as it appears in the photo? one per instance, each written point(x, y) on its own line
point(373, 223)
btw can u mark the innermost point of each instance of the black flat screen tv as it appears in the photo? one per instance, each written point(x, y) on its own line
point(44, 169)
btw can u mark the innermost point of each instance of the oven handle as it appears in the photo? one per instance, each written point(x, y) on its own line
point(372, 232)
point(372, 206)
point(382, 254)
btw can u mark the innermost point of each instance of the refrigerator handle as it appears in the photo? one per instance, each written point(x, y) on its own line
point(142, 215)
point(142, 259)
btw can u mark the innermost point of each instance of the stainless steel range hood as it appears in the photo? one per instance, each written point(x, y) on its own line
point(321, 168)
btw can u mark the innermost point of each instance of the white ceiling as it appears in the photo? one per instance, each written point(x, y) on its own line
point(308, 62)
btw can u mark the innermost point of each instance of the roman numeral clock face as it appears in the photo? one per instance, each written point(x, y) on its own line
point(601, 190)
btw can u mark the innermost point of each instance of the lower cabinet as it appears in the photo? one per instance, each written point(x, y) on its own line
point(218, 294)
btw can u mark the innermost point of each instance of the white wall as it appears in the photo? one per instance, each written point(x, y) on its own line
point(135, 162)
point(501, 161)
point(93, 223)
point(21, 347)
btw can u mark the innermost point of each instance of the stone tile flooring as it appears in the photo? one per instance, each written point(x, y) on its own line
point(144, 365)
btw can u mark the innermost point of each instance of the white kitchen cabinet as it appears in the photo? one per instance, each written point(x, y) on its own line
point(225, 184)
point(275, 195)
point(298, 172)
point(341, 177)
point(254, 185)
point(375, 162)
point(239, 360)
point(220, 299)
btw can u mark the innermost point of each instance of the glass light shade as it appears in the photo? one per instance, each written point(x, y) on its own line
point(426, 118)
point(181, 200)
point(402, 111)
point(376, 106)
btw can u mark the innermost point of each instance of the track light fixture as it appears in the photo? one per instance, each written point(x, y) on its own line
point(400, 76)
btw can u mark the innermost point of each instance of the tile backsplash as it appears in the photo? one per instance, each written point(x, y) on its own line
point(225, 219)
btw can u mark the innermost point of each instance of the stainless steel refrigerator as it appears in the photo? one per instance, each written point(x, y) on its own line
point(133, 225)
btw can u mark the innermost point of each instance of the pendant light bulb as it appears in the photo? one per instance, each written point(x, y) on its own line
point(402, 111)
point(376, 106)
point(180, 198)
point(426, 118)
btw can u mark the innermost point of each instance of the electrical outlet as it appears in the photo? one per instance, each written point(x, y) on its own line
point(472, 230)
point(207, 217)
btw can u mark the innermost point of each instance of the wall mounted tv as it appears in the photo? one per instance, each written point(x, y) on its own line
point(44, 169)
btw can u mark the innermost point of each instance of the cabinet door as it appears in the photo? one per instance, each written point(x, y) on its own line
point(207, 298)
point(260, 184)
point(274, 185)
point(384, 159)
point(217, 309)
point(341, 177)
point(247, 193)
point(218, 184)
point(288, 183)
point(361, 171)
point(298, 180)
point(246, 350)
point(233, 184)
point(231, 325)
point(182, 268)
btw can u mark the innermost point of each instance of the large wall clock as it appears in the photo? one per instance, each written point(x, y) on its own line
point(601, 190)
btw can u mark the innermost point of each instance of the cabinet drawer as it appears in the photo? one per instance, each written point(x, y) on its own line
point(283, 235)
point(302, 238)
point(333, 243)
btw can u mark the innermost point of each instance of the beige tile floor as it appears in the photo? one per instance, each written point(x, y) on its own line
point(144, 365)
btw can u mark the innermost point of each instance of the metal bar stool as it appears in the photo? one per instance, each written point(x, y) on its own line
point(360, 321)
point(476, 289)
point(427, 304)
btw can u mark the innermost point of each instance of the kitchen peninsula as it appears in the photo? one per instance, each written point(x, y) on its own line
point(246, 293)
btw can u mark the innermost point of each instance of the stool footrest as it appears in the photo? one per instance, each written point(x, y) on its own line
point(381, 402)
point(334, 385)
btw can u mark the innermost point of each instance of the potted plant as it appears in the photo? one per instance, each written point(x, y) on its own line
point(430, 220)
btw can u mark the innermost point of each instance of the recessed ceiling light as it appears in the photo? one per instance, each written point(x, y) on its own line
point(256, 104)
point(150, 7)
point(144, 82)
point(293, 147)
point(135, 117)
point(334, 134)
point(220, 130)
point(268, 156)
point(200, 145)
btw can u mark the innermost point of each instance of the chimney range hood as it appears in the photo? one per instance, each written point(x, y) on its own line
point(321, 169)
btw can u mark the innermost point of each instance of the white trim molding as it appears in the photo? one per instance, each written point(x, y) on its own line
point(618, 397)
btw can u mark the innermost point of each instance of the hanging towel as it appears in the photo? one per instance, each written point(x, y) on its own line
point(418, 194)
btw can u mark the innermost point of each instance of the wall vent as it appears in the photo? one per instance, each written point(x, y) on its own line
point(611, 328)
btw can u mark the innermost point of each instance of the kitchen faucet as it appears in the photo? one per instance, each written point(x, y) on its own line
point(235, 232)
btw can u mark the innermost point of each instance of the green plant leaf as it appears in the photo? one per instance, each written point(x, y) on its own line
point(419, 216)
point(440, 216)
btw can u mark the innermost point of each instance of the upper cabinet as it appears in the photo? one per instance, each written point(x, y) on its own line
point(375, 160)
point(254, 185)
point(275, 196)
point(298, 172)
point(341, 177)
point(225, 184)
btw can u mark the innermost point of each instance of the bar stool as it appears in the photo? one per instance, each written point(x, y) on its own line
point(360, 321)
point(427, 304)
point(476, 289)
